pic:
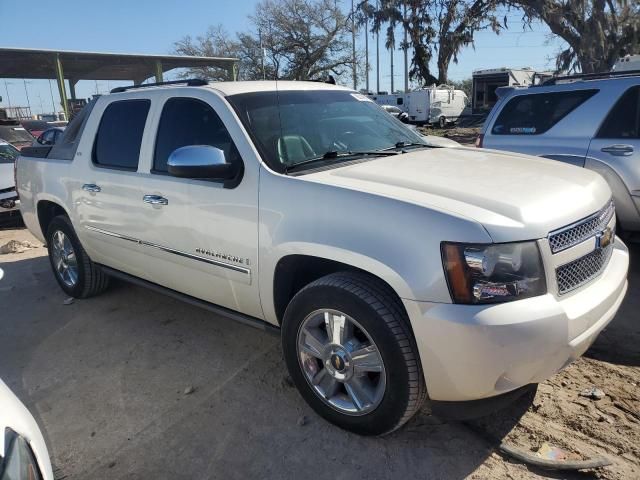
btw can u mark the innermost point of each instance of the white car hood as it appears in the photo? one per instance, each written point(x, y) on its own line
point(15, 416)
point(514, 196)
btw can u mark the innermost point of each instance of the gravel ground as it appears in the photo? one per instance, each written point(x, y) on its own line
point(135, 385)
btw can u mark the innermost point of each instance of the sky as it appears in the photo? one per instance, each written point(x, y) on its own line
point(152, 26)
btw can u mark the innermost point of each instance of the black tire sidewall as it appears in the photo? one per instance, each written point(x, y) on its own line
point(443, 122)
point(63, 224)
point(394, 404)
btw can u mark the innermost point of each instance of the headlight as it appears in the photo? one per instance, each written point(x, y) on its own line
point(18, 462)
point(492, 273)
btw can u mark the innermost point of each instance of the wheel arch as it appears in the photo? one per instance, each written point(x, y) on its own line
point(294, 271)
point(47, 210)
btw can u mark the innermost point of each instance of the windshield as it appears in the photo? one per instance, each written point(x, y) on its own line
point(310, 124)
point(8, 153)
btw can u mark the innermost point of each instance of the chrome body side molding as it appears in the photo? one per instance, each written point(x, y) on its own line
point(217, 263)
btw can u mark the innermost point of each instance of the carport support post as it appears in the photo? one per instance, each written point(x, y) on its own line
point(72, 88)
point(232, 72)
point(61, 87)
point(159, 71)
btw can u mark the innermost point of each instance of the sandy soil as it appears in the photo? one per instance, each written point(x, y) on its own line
point(106, 378)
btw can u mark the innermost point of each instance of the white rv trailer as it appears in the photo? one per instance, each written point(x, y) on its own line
point(441, 105)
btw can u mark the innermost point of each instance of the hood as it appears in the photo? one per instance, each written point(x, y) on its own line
point(514, 196)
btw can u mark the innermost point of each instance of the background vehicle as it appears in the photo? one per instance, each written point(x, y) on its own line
point(437, 105)
point(12, 132)
point(35, 127)
point(49, 137)
point(23, 452)
point(8, 195)
point(396, 112)
point(431, 140)
point(388, 267)
point(591, 121)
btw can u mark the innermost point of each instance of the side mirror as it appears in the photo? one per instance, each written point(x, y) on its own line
point(200, 161)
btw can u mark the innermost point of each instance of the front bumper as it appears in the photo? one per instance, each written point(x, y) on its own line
point(474, 352)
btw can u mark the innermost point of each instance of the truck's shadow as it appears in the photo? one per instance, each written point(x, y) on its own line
point(106, 379)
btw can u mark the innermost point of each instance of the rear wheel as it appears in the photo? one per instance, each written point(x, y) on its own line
point(76, 274)
point(351, 353)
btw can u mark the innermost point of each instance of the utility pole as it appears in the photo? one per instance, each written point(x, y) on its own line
point(405, 45)
point(391, 49)
point(366, 49)
point(262, 54)
point(53, 104)
point(26, 92)
point(353, 45)
point(8, 97)
point(377, 55)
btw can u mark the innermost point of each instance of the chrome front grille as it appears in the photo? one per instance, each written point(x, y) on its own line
point(578, 272)
point(571, 235)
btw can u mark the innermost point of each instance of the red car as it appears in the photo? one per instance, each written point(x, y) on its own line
point(35, 127)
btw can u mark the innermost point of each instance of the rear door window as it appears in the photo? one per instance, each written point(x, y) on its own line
point(623, 120)
point(189, 121)
point(119, 137)
point(536, 113)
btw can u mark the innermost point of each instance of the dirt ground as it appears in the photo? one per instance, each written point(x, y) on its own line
point(464, 135)
point(135, 385)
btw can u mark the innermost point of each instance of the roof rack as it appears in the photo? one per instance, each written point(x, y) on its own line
point(592, 76)
point(191, 82)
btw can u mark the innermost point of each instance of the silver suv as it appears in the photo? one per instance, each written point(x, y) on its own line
point(592, 121)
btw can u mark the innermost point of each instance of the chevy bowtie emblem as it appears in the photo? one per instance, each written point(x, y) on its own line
point(605, 237)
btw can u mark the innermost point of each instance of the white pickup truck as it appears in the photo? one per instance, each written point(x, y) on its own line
point(393, 271)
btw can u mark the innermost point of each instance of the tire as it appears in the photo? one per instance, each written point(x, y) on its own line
point(442, 122)
point(378, 320)
point(89, 279)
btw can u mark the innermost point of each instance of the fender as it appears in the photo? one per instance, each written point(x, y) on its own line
point(626, 210)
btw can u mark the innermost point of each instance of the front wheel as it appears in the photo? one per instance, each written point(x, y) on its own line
point(351, 353)
point(442, 122)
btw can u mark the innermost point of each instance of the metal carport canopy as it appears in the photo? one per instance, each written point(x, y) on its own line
point(74, 66)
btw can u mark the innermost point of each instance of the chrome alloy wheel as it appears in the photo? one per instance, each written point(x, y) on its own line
point(341, 362)
point(65, 261)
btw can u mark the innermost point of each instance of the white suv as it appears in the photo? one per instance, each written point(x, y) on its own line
point(393, 271)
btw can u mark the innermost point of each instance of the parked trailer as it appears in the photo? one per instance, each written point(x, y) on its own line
point(486, 82)
point(440, 105)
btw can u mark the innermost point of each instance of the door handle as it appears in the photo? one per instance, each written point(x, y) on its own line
point(620, 150)
point(91, 187)
point(155, 200)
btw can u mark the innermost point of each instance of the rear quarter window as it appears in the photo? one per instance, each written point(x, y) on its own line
point(536, 113)
point(119, 137)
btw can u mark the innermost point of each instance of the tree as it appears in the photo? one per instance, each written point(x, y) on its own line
point(465, 85)
point(217, 42)
point(293, 39)
point(305, 39)
point(597, 31)
point(436, 28)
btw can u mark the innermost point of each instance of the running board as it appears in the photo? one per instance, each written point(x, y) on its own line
point(222, 311)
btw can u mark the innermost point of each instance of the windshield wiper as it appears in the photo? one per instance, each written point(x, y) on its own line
point(334, 154)
point(404, 145)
